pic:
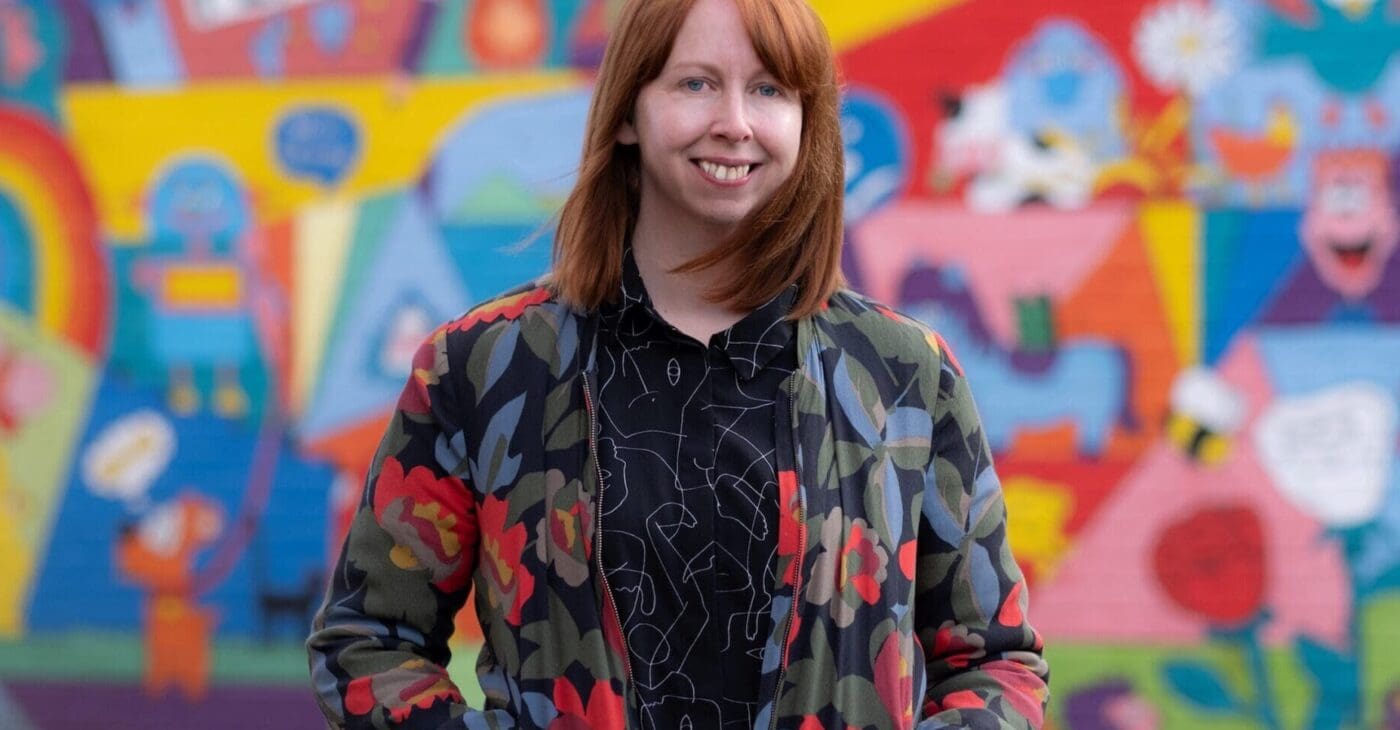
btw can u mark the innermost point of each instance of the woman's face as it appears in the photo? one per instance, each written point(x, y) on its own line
point(716, 131)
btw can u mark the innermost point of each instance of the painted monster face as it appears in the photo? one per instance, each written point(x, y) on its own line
point(1351, 227)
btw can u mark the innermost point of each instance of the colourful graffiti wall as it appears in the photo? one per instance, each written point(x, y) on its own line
point(1161, 236)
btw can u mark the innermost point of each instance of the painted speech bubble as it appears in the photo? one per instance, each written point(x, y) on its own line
point(318, 143)
point(128, 456)
point(1330, 452)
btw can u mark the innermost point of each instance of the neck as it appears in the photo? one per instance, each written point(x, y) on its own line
point(680, 297)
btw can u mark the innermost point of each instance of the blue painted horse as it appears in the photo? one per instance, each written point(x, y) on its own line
point(1085, 381)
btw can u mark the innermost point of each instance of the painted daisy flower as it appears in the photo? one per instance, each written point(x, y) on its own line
point(1186, 45)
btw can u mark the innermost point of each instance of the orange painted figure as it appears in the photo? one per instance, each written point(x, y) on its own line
point(158, 555)
point(1257, 158)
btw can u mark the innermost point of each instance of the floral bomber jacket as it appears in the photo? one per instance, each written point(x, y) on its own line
point(899, 604)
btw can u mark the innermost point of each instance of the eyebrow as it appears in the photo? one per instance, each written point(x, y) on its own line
point(711, 69)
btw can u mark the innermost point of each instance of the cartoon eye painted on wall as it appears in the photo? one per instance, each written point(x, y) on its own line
point(1345, 198)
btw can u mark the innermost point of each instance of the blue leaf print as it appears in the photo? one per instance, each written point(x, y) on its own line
point(496, 440)
point(568, 340)
point(908, 426)
point(849, 400)
point(945, 525)
point(450, 451)
point(985, 488)
point(894, 505)
point(502, 352)
point(986, 584)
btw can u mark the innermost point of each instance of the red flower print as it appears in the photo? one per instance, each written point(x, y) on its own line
point(509, 308)
point(963, 699)
point(429, 362)
point(1212, 563)
point(604, 709)
point(956, 646)
point(431, 520)
point(502, 547)
point(894, 681)
point(1021, 688)
point(863, 563)
point(413, 684)
point(790, 522)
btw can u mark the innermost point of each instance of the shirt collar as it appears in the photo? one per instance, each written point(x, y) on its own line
point(750, 344)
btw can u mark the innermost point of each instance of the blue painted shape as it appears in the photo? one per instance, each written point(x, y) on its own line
point(319, 143)
point(16, 259)
point(1334, 676)
point(1247, 257)
point(534, 143)
point(1347, 53)
point(877, 152)
point(141, 47)
point(517, 253)
point(36, 87)
point(1087, 382)
point(201, 198)
point(410, 265)
point(212, 458)
point(1201, 686)
point(1245, 102)
point(1063, 78)
point(1300, 360)
point(268, 47)
point(331, 25)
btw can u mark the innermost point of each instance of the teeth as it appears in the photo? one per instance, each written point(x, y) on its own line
point(724, 172)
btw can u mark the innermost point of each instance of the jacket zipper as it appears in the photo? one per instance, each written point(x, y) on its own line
point(598, 529)
point(801, 551)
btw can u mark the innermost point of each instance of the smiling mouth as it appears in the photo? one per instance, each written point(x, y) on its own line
point(1352, 255)
point(725, 173)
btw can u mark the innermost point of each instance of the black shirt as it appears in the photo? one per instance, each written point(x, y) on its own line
point(687, 433)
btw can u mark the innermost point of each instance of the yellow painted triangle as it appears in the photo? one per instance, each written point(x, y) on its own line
point(1172, 231)
point(322, 238)
point(852, 23)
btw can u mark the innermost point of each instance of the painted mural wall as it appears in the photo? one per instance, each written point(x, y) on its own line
point(1160, 235)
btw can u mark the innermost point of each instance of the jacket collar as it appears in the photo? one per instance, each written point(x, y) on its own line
point(750, 344)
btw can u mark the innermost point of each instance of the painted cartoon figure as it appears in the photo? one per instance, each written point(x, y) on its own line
point(158, 555)
point(197, 285)
point(1351, 227)
point(1349, 233)
point(1040, 131)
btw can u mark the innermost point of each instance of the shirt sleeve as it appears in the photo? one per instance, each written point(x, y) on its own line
point(378, 647)
point(985, 667)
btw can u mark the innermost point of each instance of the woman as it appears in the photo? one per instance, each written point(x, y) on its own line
point(690, 481)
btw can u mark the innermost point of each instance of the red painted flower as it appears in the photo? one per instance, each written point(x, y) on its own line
point(1212, 563)
point(604, 708)
point(431, 521)
point(502, 547)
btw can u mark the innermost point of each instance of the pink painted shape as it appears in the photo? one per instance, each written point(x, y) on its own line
point(1031, 252)
point(1106, 590)
point(29, 388)
point(23, 53)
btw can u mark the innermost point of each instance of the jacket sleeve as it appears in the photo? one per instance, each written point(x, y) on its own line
point(984, 661)
point(378, 647)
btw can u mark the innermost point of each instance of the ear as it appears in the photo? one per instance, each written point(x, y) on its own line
point(627, 133)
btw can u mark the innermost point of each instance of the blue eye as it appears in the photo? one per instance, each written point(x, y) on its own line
point(769, 90)
point(695, 85)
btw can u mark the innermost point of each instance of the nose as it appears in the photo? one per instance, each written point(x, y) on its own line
point(731, 120)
